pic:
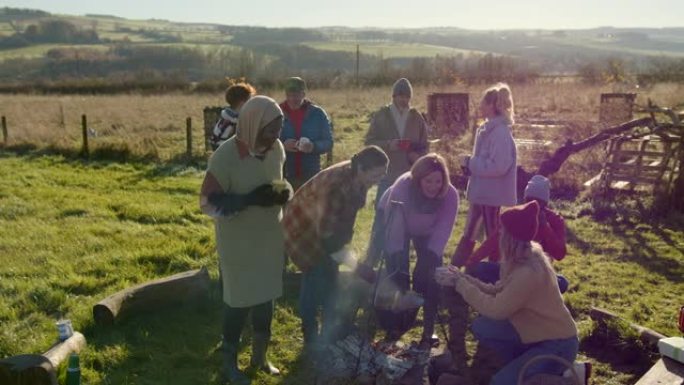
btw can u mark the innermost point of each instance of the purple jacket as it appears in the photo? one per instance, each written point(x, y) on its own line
point(435, 224)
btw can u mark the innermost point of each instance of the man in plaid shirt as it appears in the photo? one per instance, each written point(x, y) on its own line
point(319, 224)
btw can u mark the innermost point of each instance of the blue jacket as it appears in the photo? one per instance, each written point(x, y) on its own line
point(315, 126)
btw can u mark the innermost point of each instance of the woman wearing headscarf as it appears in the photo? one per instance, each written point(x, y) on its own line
point(244, 191)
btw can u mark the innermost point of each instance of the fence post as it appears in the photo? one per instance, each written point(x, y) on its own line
point(84, 127)
point(4, 131)
point(188, 137)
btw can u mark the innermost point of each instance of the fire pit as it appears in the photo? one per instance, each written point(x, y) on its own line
point(377, 362)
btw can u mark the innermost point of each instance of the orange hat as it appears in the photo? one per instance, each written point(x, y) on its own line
point(522, 221)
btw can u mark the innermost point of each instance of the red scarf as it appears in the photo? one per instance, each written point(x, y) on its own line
point(297, 119)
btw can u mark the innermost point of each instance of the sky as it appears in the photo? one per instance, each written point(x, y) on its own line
point(474, 14)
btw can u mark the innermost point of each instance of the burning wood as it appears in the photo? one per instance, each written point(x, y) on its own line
point(355, 357)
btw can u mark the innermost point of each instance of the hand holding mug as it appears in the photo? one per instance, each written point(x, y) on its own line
point(305, 145)
point(290, 145)
point(446, 276)
point(404, 144)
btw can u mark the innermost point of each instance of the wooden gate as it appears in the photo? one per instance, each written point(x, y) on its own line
point(647, 162)
point(449, 113)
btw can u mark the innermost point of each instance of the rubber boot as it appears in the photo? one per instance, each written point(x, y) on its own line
point(231, 373)
point(463, 251)
point(259, 361)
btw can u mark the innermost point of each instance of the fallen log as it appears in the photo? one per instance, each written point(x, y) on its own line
point(664, 372)
point(646, 335)
point(61, 350)
point(151, 295)
point(27, 369)
point(37, 369)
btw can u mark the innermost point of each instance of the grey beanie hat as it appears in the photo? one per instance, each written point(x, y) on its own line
point(538, 187)
point(402, 87)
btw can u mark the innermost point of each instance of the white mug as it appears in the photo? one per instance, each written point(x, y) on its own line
point(302, 142)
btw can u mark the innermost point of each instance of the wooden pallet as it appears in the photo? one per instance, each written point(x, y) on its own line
point(644, 163)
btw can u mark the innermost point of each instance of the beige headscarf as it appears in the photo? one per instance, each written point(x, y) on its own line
point(256, 113)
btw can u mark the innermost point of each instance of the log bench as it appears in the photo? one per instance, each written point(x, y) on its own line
point(665, 372)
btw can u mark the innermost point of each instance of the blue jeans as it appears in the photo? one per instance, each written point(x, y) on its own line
point(318, 291)
point(501, 337)
point(488, 272)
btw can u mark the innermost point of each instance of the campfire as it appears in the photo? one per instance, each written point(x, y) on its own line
point(385, 362)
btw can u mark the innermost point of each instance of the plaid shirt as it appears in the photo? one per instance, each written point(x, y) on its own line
point(325, 206)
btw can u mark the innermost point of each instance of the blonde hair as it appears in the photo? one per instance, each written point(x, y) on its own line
point(516, 252)
point(500, 96)
point(426, 165)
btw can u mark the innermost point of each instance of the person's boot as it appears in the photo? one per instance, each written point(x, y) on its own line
point(259, 348)
point(458, 325)
point(463, 251)
point(230, 371)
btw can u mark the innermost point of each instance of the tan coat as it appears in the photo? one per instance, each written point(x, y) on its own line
point(527, 296)
point(383, 129)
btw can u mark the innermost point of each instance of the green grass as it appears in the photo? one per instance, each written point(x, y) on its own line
point(390, 49)
point(121, 36)
point(610, 45)
point(74, 232)
point(38, 51)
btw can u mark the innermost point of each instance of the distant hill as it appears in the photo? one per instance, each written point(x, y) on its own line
point(227, 50)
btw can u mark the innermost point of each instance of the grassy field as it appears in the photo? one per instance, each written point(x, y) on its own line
point(74, 231)
point(391, 49)
point(36, 51)
point(155, 124)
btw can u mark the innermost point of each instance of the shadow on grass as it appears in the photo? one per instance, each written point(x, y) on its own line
point(622, 352)
point(181, 344)
point(635, 225)
point(176, 345)
point(105, 154)
point(668, 264)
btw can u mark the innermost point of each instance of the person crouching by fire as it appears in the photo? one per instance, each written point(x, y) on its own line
point(428, 205)
point(318, 226)
point(522, 316)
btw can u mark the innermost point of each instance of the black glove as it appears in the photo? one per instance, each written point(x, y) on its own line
point(228, 203)
point(264, 196)
point(282, 197)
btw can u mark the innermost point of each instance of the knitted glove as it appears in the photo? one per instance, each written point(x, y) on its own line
point(228, 203)
point(264, 196)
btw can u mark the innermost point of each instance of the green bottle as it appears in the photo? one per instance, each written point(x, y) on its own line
point(73, 375)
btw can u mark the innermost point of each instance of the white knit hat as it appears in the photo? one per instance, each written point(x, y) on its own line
point(538, 187)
